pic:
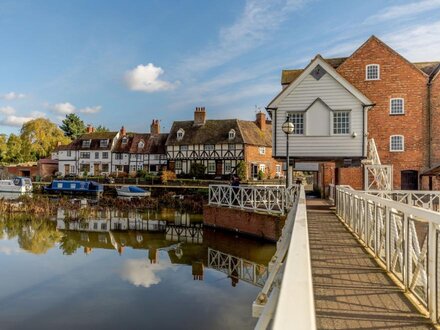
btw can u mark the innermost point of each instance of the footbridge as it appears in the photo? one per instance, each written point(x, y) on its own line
point(366, 259)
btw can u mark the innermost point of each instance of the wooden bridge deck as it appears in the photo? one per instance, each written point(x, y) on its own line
point(351, 290)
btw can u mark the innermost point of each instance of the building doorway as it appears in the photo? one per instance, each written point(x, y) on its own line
point(218, 168)
point(66, 169)
point(409, 180)
point(254, 171)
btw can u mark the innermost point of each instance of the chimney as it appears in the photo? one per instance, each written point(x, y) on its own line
point(122, 132)
point(261, 120)
point(155, 128)
point(199, 116)
point(90, 128)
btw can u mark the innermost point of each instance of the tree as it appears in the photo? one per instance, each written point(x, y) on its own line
point(73, 126)
point(39, 137)
point(241, 170)
point(101, 128)
point(3, 146)
point(13, 150)
point(197, 170)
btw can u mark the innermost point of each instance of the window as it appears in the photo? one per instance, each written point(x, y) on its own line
point(228, 166)
point(138, 157)
point(231, 146)
point(297, 118)
point(103, 143)
point(262, 150)
point(103, 226)
point(183, 148)
point(211, 166)
point(178, 165)
point(96, 155)
point(231, 134)
point(397, 143)
point(86, 143)
point(397, 106)
point(95, 225)
point(209, 147)
point(341, 122)
point(69, 153)
point(85, 168)
point(262, 167)
point(118, 156)
point(180, 134)
point(105, 155)
point(278, 170)
point(105, 167)
point(141, 144)
point(124, 140)
point(72, 168)
point(372, 72)
point(84, 155)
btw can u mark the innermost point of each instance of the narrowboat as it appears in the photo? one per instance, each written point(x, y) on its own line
point(16, 185)
point(74, 187)
point(132, 191)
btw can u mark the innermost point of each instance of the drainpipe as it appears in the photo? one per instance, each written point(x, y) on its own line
point(274, 131)
point(429, 125)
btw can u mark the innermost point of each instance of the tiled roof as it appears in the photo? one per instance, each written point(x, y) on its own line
point(153, 144)
point(427, 67)
point(217, 131)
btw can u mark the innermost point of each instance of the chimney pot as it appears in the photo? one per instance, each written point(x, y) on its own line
point(122, 132)
point(199, 116)
point(90, 128)
point(155, 127)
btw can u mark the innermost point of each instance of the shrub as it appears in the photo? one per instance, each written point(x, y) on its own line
point(260, 175)
point(167, 175)
point(241, 170)
point(197, 170)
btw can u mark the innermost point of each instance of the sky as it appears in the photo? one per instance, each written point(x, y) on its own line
point(126, 63)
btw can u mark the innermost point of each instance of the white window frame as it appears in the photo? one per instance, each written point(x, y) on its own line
point(86, 143)
point(228, 166)
point(262, 168)
point(391, 143)
point(69, 153)
point(262, 150)
point(178, 165)
point(96, 155)
point(209, 147)
point(231, 146)
point(333, 122)
point(183, 147)
point(278, 170)
point(403, 106)
point(124, 140)
point(180, 134)
point(378, 71)
point(297, 128)
point(103, 143)
point(141, 145)
point(209, 168)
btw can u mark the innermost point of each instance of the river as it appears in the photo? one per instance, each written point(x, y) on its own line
point(115, 270)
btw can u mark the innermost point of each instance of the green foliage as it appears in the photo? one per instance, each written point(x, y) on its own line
point(260, 175)
point(73, 126)
point(13, 150)
point(241, 170)
point(197, 170)
point(101, 128)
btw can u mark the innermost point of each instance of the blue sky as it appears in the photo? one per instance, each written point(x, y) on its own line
point(127, 62)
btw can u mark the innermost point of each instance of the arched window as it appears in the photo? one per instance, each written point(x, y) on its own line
point(231, 134)
point(180, 134)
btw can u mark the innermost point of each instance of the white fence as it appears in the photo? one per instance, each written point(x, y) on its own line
point(403, 238)
point(287, 296)
point(269, 198)
point(425, 199)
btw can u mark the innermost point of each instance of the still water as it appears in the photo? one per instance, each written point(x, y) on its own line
point(157, 270)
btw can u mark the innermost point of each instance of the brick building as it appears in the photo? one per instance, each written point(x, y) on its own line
point(221, 144)
point(400, 102)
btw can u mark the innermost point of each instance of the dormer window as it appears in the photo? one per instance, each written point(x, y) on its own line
point(180, 134)
point(86, 143)
point(124, 140)
point(103, 143)
point(141, 144)
point(372, 72)
point(231, 134)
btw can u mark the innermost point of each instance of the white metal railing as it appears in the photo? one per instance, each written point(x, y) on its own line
point(376, 175)
point(403, 238)
point(425, 199)
point(268, 198)
point(287, 296)
point(332, 192)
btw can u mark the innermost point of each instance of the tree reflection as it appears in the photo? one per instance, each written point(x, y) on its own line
point(69, 244)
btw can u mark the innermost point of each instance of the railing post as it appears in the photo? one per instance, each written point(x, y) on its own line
point(387, 238)
point(406, 251)
point(432, 272)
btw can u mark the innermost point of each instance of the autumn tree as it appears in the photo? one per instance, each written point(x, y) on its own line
point(13, 150)
point(39, 137)
point(73, 126)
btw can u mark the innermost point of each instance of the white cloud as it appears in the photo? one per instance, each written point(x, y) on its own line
point(68, 108)
point(63, 108)
point(141, 273)
point(91, 110)
point(12, 96)
point(7, 110)
point(145, 78)
point(404, 11)
point(16, 121)
point(256, 23)
point(9, 250)
point(417, 42)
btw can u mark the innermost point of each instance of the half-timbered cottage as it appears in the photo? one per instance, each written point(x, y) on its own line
point(221, 144)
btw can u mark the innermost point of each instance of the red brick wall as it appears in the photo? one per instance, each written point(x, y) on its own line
point(398, 78)
point(18, 170)
point(435, 124)
point(257, 224)
point(326, 176)
point(351, 176)
point(252, 155)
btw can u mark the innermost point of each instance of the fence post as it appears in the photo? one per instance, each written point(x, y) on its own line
point(387, 238)
point(432, 271)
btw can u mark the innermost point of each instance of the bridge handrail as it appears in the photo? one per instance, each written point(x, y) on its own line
point(403, 238)
point(267, 198)
point(291, 266)
point(427, 199)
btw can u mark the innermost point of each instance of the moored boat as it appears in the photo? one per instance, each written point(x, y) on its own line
point(74, 187)
point(132, 191)
point(16, 185)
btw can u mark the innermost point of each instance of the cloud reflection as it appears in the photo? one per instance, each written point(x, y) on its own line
point(140, 272)
point(9, 250)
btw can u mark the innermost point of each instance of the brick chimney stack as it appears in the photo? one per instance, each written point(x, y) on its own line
point(261, 120)
point(90, 128)
point(155, 127)
point(122, 132)
point(199, 116)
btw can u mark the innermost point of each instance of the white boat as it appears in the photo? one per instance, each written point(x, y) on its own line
point(132, 191)
point(16, 185)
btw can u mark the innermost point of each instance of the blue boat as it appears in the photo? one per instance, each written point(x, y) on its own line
point(74, 187)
